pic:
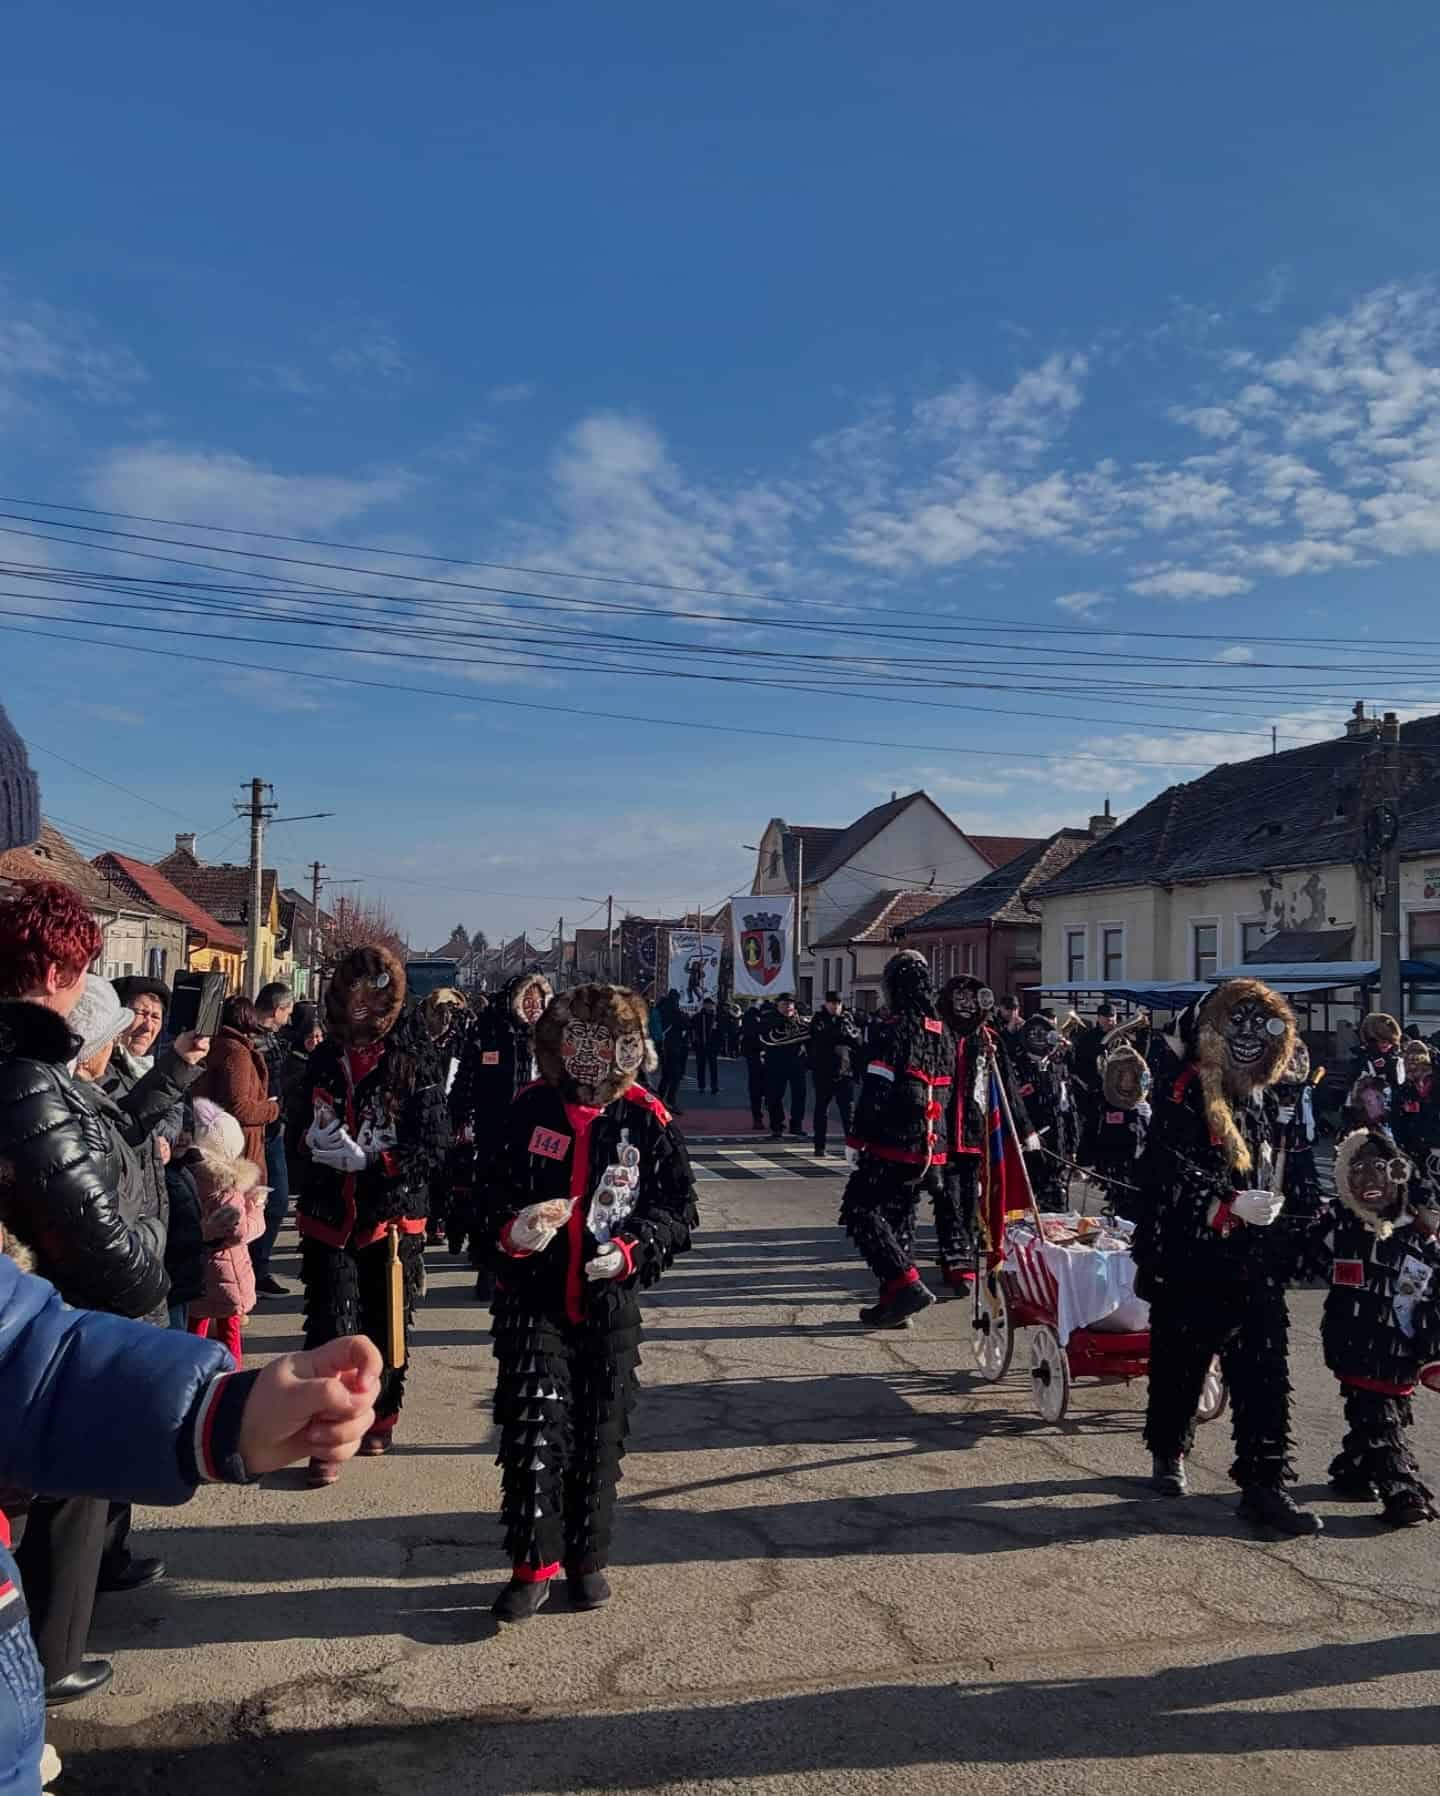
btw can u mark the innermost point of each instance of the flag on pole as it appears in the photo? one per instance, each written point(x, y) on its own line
point(1007, 1182)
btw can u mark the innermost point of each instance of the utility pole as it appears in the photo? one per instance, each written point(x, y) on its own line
point(610, 939)
point(1386, 773)
point(317, 946)
point(560, 957)
point(259, 811)
point(799, 904)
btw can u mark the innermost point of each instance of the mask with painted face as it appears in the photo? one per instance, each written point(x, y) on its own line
point(1041, 1037)
point(590, 1043)
point(1419, 1062)
point(1297, 1069)
point(365, 997)
point(528, 997)
point(1372, 1179)
point(965, 1003)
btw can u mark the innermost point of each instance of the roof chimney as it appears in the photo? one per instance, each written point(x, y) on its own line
point(185, 844)
point(1103, 824)
point(1359, 724)
point(1390, 728)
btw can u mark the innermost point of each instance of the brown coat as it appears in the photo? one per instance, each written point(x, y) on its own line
point(237, 1079)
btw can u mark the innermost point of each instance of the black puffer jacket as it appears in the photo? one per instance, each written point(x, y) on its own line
point(65, 1186)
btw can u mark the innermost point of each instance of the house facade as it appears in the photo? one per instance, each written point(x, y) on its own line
point(1208, 873)
point(908, 845)
point(224, 892)
point(993, 930)
point(206, 946)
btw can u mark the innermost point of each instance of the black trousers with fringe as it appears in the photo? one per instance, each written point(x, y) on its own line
point(956, 1209)
point(564, 1394)
point(1375, 1450)
point(347, 1293)
point(878, 1210)
point(1248, 1326)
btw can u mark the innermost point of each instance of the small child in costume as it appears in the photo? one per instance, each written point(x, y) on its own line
point(1381, 1328)
point(232, 1215)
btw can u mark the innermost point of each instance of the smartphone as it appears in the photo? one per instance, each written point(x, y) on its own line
point(196, 1004)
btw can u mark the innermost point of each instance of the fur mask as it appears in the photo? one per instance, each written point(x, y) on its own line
point(1379, 1031)
point(1244, 1039)
point(1370, 1098)
point(365, 997)
point(441, 1012)
point(527, 997)
point(1041, 1036)
point(590, 1043)
point(909, 989)
point(1419, 1061)
point(1372, 1180)
point(1125, 1078)
point(965, 1004)
point(1297, 1068)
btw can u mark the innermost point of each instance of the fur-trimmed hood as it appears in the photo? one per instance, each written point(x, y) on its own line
point(1124, 1077)
point(31, 1032)
point(1380, 1030)
point(590, 1043)
point(525, 998)
point(1225, 1081)
point(365, 997)
point(1380, 1223)
point(220, 1175)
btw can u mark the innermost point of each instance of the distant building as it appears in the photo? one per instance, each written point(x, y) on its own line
point(224, 891)
point(208, 946)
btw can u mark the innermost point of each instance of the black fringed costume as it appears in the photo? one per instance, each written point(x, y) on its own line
point(378, 1074)
point(1381, 1327)
point(1291, 1104)
point(899, 1137)
point(498, 1061)
point(1216, 1285)
point(1120, 1122)
point(568, 1345)
point(967, 1006)
point(1042, 1080)
point(447, 1019)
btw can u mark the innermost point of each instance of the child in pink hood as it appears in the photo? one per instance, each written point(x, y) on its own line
point(232, 1215)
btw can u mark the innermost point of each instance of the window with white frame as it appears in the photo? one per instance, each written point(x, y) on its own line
point(971, 958)
point(1112, 951)
point(1204, 950)
point(1424, 933)
point(1253, 937)
point(1075, 955)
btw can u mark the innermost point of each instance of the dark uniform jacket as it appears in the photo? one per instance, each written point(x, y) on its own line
point(909, 1069)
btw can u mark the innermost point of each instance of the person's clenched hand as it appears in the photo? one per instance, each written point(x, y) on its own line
point(192, 1048)
point(315, 1405)
point(337, 1147)
point(608, 1263)
point(1258, 1208)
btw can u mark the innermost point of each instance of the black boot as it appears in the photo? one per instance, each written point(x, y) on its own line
point(132, 1574)
point(1351, 1484)
point(587, 1590)
point(1268, 1507)
point(93, 1675)
point(1407, 1509)
point(1168, 1476)
point(909, 1301)
point(520, 1600)
point(484, 1287)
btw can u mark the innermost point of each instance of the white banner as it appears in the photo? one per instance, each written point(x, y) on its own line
point(763, 929)
point(695, 966)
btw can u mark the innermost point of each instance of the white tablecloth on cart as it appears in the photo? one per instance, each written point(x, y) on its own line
point(1087, 1287)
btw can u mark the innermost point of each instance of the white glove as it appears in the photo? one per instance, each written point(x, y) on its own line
point(852, 1158)
point(608, 1263)
point(537, 1225)
point(337, 1147)
point(1286, 1112)
point(1258, 1208)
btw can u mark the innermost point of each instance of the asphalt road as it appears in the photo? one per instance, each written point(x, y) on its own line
point(843, 1564)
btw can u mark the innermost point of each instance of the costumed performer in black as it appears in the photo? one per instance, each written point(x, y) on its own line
point(588, 1200)
point(373, 1093)
point(499, 1060)
point(1291, 1103)
point(1122, 1121)
point(899, 1138)
point(1381, 1327)
point(1087, 1050)
point(968, 1007)
point(1380, 1055)
point(1415, 1113)
point(447, 1019)
point(1211, 1262)
point(1042, 1079)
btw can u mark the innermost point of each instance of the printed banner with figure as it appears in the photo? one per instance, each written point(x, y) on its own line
point(695, 966)
point(764, 945)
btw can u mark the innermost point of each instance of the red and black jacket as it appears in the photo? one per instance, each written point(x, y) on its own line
point(908, 1072)
point(552, 1149)
point(969, 1105)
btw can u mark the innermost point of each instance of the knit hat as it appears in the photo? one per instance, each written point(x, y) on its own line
point(19, 791)
point(98, 1017)
point(216, 1131)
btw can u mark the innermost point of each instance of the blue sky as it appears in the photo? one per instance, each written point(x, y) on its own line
point(1121, 317)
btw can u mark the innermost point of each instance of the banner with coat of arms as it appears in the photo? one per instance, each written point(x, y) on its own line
point(764, 945)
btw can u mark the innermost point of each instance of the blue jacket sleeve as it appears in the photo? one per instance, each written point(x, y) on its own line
point(96, 1405)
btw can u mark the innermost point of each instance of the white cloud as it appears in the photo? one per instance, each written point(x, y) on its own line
point(45, 349)
point(1237, 654)
point(1190, 583)
point(514, 392)
point(268, 689)
point(206, 487)
point(1289, 559)
point(1210, 420)
point(1082, 604)
point(371, 352)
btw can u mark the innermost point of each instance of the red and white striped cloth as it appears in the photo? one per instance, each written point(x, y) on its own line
point(1080, 1287)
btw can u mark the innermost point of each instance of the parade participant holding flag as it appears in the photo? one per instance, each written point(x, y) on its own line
point(588, 1200)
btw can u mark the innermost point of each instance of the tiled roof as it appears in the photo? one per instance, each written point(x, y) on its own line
point(1000, 896)
point(52, 857)
point(151, 883)
point(1001, 850)
point(877, 919)
point(224, 891)
point(1297, 809)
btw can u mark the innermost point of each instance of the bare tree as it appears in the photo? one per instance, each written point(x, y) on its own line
point(362, 923)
